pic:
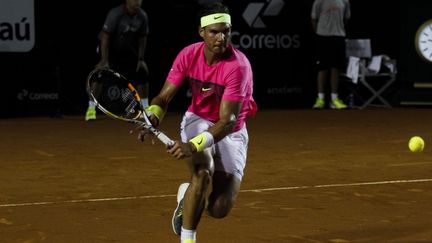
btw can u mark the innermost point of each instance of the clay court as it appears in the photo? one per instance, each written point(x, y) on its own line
point(312, 176)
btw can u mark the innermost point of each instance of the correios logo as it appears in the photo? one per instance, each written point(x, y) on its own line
point(254, 11)
point(34, 96)
point(17, 31)
point(253, 15)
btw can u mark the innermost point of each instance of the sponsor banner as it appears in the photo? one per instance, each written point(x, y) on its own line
point(30, 92)
point(264, 25)
point(17, 28)
point(36, 96)
point(276, 36)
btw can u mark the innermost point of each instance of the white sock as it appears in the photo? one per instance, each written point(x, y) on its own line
point(144, 102)
point(334, 96)
point(321, 95)
point(187, 234)
point(91, 104)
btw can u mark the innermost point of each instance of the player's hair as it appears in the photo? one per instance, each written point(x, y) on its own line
point(212, 8)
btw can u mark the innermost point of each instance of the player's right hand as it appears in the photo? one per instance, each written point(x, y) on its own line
point(144, 134)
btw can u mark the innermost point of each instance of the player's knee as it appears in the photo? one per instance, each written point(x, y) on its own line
point(203, 176)
point(220, 208)
point(201, 180)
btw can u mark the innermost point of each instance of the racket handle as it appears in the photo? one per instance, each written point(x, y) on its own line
point(165, 139)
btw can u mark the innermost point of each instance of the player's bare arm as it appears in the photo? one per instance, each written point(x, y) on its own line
point(228, 113)
point(166, 94)
point(161, 101)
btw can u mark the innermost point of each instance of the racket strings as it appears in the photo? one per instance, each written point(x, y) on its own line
point(130, 105)
point(127, 95)
point(131, 109)
point(112, 93)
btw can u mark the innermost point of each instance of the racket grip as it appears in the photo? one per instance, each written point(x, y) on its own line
point(165, 139)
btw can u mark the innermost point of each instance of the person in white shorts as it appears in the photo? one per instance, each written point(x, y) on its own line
point(214, 139)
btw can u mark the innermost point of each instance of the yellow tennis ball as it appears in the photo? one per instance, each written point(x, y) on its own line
point(416, 144)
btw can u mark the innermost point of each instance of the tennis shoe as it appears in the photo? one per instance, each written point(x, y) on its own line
point(177, 219)
point(90, 114)
point(337, 104)
point(319, 103)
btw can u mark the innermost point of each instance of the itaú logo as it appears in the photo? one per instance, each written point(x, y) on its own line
point(17, 25)
point(254, 11)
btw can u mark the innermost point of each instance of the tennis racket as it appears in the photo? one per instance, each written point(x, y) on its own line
point(115, 96)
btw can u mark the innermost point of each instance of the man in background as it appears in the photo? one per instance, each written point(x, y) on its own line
point(123, 41)
point(329, 18)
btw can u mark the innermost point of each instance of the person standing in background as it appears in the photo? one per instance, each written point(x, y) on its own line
point(329, 19)
point(123, 41)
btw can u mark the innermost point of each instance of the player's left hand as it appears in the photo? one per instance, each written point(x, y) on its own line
point(181, 150)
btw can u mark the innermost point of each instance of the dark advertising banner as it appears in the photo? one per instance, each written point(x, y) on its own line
point(276, 35)
point(24, 82)
point(45, 54)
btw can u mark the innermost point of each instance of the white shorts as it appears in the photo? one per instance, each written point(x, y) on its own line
point(229, 154)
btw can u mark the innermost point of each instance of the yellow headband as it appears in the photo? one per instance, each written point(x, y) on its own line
point(215, 18)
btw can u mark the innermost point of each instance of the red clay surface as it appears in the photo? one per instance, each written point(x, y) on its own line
point(312, 176)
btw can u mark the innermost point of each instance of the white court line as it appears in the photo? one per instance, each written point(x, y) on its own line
point(86, 200)
point(411, 164)
point(249, 190)
point(339, 185)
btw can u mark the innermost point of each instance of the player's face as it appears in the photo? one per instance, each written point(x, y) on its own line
point(217, 37)
point(133, 6)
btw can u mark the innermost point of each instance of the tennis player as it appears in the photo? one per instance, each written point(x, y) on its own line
point(214, 139)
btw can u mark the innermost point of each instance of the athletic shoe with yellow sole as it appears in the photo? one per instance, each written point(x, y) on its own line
point(337, 104)
point(319, 103)
point(177, 219)
point(90, 114)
